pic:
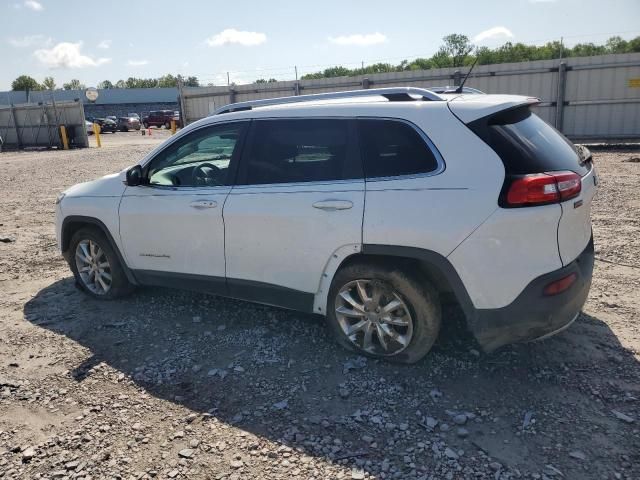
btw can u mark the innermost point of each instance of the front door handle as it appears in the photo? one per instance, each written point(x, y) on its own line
point(332, 205)
point(204, 204)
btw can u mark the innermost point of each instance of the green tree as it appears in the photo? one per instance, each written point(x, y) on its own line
point(120, 84)
point(191, 82)
point(457, 47)
point(168, 80)
point(105, 85)
point(587, 50)
point(456, 52)
point(49, 83)
point(74, 84)
point(25, 83)
point(617, 45)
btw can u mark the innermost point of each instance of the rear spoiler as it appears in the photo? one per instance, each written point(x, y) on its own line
point(468, 108)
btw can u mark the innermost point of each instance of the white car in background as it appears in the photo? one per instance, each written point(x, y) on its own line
point(366, 207)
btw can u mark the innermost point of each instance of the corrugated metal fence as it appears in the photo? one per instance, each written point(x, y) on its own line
point(585, 97)
point(37, 125)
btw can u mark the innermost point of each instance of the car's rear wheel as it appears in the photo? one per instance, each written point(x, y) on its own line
point(167, 125)
point(146, 125)
point(383, 312)
point(96, 267)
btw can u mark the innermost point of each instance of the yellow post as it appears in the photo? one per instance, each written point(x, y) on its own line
point(96, 131)
point(173, 127)
point(65, 139)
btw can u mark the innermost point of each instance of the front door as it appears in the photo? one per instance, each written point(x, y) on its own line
point(299, 198)
point(172, 228)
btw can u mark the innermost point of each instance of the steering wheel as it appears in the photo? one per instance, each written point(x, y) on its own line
point(206, 174)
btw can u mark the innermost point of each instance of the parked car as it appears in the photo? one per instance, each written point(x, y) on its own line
point(133, 115)
point(453, 89)
point(128, 123)
point(370, 213)
point(112, 118)
point(159, 118)
point(89, 127)
point(106, 125)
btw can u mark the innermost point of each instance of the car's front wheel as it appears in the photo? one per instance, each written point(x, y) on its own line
point(384, 312)
point(96, 267)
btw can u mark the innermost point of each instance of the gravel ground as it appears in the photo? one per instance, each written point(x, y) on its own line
point(168, 384)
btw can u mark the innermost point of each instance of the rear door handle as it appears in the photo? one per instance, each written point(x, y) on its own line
point(204, 204)
point(332, 205)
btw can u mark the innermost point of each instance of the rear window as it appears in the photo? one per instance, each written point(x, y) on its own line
point(528, 144)
point(391, 148)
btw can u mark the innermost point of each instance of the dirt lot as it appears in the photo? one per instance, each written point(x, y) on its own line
point(168, 384)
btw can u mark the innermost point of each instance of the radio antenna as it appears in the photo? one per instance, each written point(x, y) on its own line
point(459, 89)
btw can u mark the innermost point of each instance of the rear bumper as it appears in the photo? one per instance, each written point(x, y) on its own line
point(533, 315)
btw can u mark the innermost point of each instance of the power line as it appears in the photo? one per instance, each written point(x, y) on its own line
point(290, 71)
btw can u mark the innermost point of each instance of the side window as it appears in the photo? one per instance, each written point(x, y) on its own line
point(300, 150)
point(201, 158)
point(391, 148)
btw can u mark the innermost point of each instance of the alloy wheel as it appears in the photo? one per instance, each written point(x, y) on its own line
point(93, 267)
point(374, 317)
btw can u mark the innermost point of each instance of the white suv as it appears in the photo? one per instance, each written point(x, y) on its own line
point(367, 207)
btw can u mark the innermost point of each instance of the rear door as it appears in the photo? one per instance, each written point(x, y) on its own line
point(298, 199)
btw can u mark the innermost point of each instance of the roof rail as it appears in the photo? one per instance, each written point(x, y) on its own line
point(397, 94)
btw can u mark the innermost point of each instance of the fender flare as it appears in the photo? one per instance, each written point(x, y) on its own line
point(65, 238)
point(428, 257)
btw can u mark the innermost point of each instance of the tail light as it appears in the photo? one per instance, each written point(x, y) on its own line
point(543, 188)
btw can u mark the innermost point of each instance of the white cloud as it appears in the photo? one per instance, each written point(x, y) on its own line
point(67, 55)
point(105, 44)
point(231, 35)
point(137, 63)
point(33, 5)
point(359, 39)
point(494, 33)
point(31, 41)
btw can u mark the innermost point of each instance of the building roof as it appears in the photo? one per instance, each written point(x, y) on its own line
point(105, 97)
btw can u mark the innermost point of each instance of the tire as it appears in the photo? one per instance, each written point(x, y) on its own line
point(146, 125)
point(119, 286)
point(420, 310)
point(167, 125)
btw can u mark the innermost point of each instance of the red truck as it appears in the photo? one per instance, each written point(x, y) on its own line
point(159, 118)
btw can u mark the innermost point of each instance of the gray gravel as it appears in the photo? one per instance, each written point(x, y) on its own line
point(170, 384)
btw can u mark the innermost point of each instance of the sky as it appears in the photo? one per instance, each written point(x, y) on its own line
point(117, 39)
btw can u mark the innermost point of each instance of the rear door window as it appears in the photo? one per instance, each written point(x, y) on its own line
point(391, 148)
point(300, 150)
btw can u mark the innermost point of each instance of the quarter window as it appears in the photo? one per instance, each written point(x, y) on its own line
point(391, 148)
point(300, 150)
point(201, 158)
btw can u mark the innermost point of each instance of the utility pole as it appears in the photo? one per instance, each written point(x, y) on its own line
point(228, 81)
point(561, 47)
point(181, 103)
point(296, 68)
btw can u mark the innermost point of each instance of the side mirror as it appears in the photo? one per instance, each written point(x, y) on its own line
point(134, 176)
